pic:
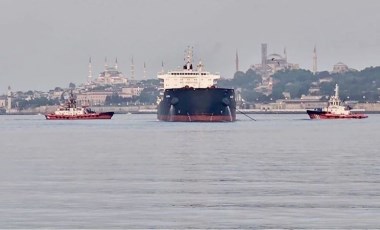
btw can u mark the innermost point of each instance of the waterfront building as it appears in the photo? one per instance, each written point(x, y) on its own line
point(55, 94)
point(129, 92)
point(92, 98)
point(3, 102)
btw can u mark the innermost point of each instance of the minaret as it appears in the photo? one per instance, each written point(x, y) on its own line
point(263, 55)
point(237, 61)
point(89, 78)
point(105, 63)
point(315, 60)
point(144, 71)
point(132, 70)
point(9, 105)
point(285, 55)
point(116, 64)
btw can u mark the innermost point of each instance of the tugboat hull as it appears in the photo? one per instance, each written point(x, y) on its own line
point(197, 105)
point(317, 114)
point(90, 116)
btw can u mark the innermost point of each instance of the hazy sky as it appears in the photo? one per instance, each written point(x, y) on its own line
point(47, 43)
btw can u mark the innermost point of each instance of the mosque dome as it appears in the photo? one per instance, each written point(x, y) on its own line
point(340, 67)
point(274, 57)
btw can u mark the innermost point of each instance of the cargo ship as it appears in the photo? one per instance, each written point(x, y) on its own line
point(191, 95)
point(335, 110)
point(70, 111)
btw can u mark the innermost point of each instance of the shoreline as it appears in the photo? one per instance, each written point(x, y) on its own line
point(240, 111)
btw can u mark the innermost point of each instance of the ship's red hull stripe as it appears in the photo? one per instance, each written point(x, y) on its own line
point(196, 118)
point(337, 116)
point(78, 117)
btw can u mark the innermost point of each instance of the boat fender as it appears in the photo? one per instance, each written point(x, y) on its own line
point(225, 101)
point(174, 101)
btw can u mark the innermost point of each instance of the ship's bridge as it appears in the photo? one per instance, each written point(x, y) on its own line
point(188, 77)
point(195, 79)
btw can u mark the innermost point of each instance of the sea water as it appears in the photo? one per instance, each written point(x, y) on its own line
point(280, 171)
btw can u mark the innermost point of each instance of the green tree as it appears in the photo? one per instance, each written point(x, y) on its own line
point(296, 82)
point(149, 95)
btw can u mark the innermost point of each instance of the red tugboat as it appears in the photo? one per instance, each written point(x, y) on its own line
point(335, 110)
point(70, 111)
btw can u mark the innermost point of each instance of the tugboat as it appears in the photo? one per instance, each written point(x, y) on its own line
point(335, 110)
point(192, 96)
point(70, 111)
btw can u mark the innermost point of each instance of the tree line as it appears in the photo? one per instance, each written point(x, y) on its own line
point(359, 86)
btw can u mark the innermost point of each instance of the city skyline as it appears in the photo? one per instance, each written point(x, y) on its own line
point(48, 43)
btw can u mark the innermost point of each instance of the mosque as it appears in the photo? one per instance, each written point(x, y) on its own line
point(110, 76)
point(340, 67)
point(270, 64)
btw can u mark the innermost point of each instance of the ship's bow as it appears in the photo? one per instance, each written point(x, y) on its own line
point(198, 105)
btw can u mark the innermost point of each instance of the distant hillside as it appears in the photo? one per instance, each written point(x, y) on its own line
point(360, 86)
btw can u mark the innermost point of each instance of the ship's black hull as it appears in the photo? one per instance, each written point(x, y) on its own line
point(197, 105)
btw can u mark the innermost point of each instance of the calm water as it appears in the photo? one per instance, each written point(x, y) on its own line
point(282, 171)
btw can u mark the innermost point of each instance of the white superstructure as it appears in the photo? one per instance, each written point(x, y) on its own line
point(70, 108)
point(72, 111)
point(335, 104)
point(188, 77)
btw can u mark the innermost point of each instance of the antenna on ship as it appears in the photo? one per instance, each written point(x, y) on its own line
point(162, 67)
point(116, 64)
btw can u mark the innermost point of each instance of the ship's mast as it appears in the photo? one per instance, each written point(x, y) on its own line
point(334, 100)
point(189, 58)
point(336, 91)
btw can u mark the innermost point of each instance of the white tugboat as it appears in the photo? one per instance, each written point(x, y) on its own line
point(335, 110)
